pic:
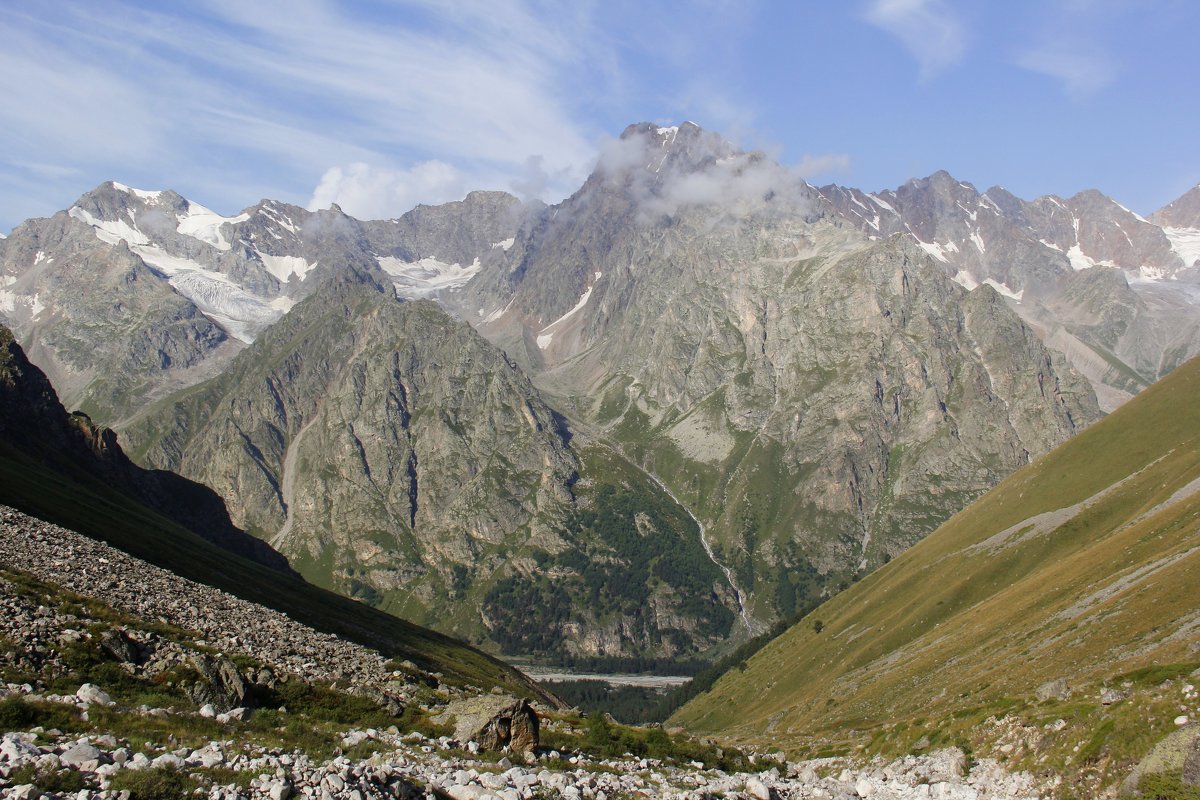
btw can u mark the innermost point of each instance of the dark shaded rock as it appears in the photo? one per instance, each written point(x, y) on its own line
point(220, 684)
point(117, 644)
point(34, 424)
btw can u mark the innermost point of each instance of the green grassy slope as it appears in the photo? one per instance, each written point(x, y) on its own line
point(1083, 565)
point(83, 504)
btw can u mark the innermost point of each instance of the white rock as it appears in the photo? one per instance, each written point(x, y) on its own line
point(92, 694)
point(469, 792)
point(1181, 720)
point(167, 760)
point(493, 781)
point(864, 787)
point(208, 711)
point(15, 750)
point(83, 756)
point(757, 789)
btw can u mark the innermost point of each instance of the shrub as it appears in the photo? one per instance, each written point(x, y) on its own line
point(16, 713)
point(159, 783)
point(48, 780)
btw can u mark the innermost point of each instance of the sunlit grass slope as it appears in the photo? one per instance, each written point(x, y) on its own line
point(1084, 565)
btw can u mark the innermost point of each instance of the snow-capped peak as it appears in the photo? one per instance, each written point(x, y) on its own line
point(142, 193)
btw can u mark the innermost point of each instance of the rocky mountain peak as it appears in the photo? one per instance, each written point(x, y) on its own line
point(661, 153)
point(1181, 213)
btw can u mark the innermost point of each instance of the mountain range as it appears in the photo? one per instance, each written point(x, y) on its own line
point(698, 396)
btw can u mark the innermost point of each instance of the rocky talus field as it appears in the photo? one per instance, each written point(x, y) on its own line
point(121, 680)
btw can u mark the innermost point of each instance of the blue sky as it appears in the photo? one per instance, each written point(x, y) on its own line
point(381, 105)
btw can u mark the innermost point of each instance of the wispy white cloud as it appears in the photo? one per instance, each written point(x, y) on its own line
point(285, 93)
point(1068, 43)
point(811, 166)
point(370, 192)
point(930, 30)
point(1080, 73)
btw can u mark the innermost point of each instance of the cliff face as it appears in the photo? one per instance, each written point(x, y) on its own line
point(391, 452)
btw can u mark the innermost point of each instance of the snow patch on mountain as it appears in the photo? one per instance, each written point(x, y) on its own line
point(1078, 260)
point(427, 276)
point(965, 280)
point(547, 333)
point(881, 203)
point(110, 232)
point(142, 193)
point(1185, 242)
point(10, 300)
point(284, 267)
point(241, 314)
point(205, 225)
point(283, 304)
point(279, 218)
point(498, 313)
point(936, 250)
point(1004, 290)
point(505, 244)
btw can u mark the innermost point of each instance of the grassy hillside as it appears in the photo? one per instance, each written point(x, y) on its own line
point(1082, 566)
point(85, 505)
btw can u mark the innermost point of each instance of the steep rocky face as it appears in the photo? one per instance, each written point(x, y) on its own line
point(820, 401)
point(391, 452)
point(1181, 213)
point(35, 426)
point(1123, 333)
point(132, 294)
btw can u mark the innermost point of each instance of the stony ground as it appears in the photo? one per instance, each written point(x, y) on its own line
point(368, 762)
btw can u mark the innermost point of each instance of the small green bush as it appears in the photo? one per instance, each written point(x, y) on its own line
point(1166, 787)
point(329, 705)
point(159, 783)
point(16, 713)
point(47, 779)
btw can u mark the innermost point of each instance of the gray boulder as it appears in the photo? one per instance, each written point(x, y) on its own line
point(496, 722)
point(219, 684)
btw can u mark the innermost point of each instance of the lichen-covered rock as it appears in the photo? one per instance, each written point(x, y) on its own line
point(495, 722)
point(1170, 756)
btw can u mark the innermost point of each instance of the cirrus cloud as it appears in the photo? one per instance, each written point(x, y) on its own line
point(929, 29)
